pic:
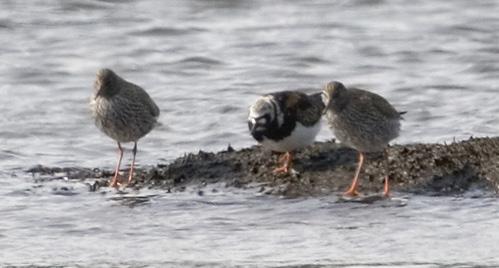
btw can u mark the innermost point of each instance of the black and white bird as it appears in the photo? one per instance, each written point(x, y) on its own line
point(361, 120)
point(284, 122)
point(123, 111)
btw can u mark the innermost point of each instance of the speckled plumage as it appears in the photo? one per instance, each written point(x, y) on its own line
point(285, 121)
point(361, 120)
point(123, 111)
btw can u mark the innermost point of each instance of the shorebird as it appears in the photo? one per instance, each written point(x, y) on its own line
point(363, 121)
point(123, 111)
point(284, 122)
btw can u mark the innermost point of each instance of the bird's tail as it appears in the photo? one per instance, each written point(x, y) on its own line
point(402, 113)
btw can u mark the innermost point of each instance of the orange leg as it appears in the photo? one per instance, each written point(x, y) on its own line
point(287, 158)
point(114, 181)
point(290, 162)
point(130, 176)
point(386, 188)
point(352, 191)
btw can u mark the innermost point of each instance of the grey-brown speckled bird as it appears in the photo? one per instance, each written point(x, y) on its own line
point(285, 121)
point(123, 111)
point(361, 120)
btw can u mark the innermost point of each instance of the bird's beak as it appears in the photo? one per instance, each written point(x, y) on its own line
point(251, 124)
point(97, 87)
point(324, 111)
point(325, 102)
point(98, 94)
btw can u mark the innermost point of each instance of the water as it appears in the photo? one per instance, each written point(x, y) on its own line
point(205, 62)
point(231, 228)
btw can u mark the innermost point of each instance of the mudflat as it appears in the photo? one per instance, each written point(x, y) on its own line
point(323, 168)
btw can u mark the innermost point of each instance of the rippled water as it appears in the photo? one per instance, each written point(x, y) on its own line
point(205, 62)
point(45, 225)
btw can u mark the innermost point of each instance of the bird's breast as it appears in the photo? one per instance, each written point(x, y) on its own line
point(300, 136)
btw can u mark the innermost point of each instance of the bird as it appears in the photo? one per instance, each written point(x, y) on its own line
point(285, 121)
point(123, 111)
point(361, 120)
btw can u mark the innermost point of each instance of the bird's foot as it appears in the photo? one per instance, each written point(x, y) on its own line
point(386, 194)
point(281, 170)
point(351, 193)
point(116, 182)
point(130, 181)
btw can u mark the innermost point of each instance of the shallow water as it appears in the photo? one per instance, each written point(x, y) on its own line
point(205, 62)
point(61, 223)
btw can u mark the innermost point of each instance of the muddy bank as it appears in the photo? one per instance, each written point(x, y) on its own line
point(324, 168)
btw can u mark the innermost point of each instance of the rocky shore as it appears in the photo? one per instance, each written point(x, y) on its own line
point(324, 168)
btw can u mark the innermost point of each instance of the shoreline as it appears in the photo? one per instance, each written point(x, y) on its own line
point(324, 168)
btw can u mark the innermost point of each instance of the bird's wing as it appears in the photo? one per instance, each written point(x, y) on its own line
point(308, 109)
point(146, 100)
point(370, 102)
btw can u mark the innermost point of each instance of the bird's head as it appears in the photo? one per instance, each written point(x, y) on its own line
point(332, 94)
point(106, 83)
point(261, 115)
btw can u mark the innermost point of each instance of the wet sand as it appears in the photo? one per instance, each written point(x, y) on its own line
point(324, 168)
